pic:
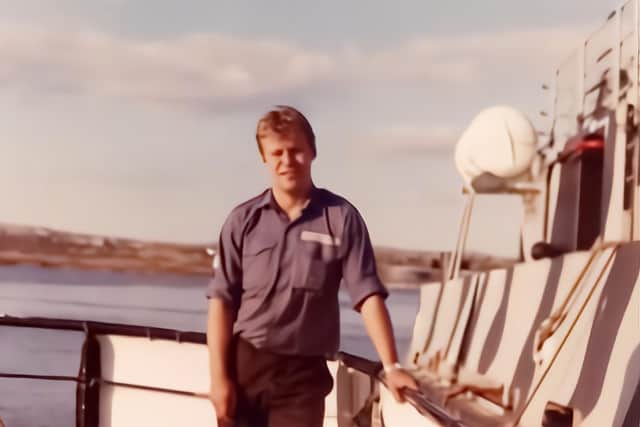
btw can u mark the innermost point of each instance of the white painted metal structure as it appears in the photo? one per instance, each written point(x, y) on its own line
point(553, 340)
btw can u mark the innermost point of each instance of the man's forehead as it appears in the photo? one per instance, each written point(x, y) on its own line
point(291, 138)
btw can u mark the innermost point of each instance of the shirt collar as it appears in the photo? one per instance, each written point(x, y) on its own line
point(267, 199)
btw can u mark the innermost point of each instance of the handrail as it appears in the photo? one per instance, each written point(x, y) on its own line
point(104, 328)
point(415, 398)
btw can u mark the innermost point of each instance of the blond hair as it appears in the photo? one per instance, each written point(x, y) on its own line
point(283, 121)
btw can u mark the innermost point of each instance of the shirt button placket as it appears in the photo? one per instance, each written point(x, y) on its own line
point(276, 306)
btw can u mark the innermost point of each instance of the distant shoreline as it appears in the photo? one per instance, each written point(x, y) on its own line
point(398, 268)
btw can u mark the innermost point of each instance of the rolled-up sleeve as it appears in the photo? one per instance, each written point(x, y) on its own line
point(359, 270)
point(226, 282)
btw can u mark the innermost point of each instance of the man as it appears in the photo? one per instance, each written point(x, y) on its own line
point(273, 309)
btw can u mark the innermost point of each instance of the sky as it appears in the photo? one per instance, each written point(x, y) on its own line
point(137, 118)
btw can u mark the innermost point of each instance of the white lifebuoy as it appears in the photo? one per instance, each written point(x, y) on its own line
point(500, 140)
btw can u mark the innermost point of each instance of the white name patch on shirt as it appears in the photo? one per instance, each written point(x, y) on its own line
point(325, 239)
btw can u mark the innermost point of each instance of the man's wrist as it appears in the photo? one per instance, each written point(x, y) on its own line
point(390, 367)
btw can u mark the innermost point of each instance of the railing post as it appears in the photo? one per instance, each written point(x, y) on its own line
point(456, 261)
point(88, 391)
point(635, 75)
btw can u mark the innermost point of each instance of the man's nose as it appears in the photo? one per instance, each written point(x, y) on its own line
point(287, 158)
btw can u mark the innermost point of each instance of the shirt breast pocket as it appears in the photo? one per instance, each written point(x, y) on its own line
point(257, 264)
point(317, 267)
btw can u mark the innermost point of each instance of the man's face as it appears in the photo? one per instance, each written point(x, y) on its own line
point(288, 159)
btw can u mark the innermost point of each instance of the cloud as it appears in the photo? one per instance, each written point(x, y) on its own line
point(192, 70)
point(410, 138)
point(218, 71)
point(470, 58)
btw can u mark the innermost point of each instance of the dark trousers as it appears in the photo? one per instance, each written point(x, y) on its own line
point(277, 390)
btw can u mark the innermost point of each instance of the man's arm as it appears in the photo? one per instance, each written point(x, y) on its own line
point(368, 293)
point(219, 333)
point(378, 323)
point(224, 293)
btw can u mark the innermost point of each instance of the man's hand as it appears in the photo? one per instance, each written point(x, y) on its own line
point(376, 319)
point(222, 392)
point(398, 379)
point(223, 397)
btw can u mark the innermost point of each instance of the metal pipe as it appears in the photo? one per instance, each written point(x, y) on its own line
point(462, 241)
point(92, 382)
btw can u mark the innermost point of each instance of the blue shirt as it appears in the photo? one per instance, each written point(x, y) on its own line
point(282, 277)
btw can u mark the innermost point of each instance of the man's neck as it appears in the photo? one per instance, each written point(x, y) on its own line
point(292, 203)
